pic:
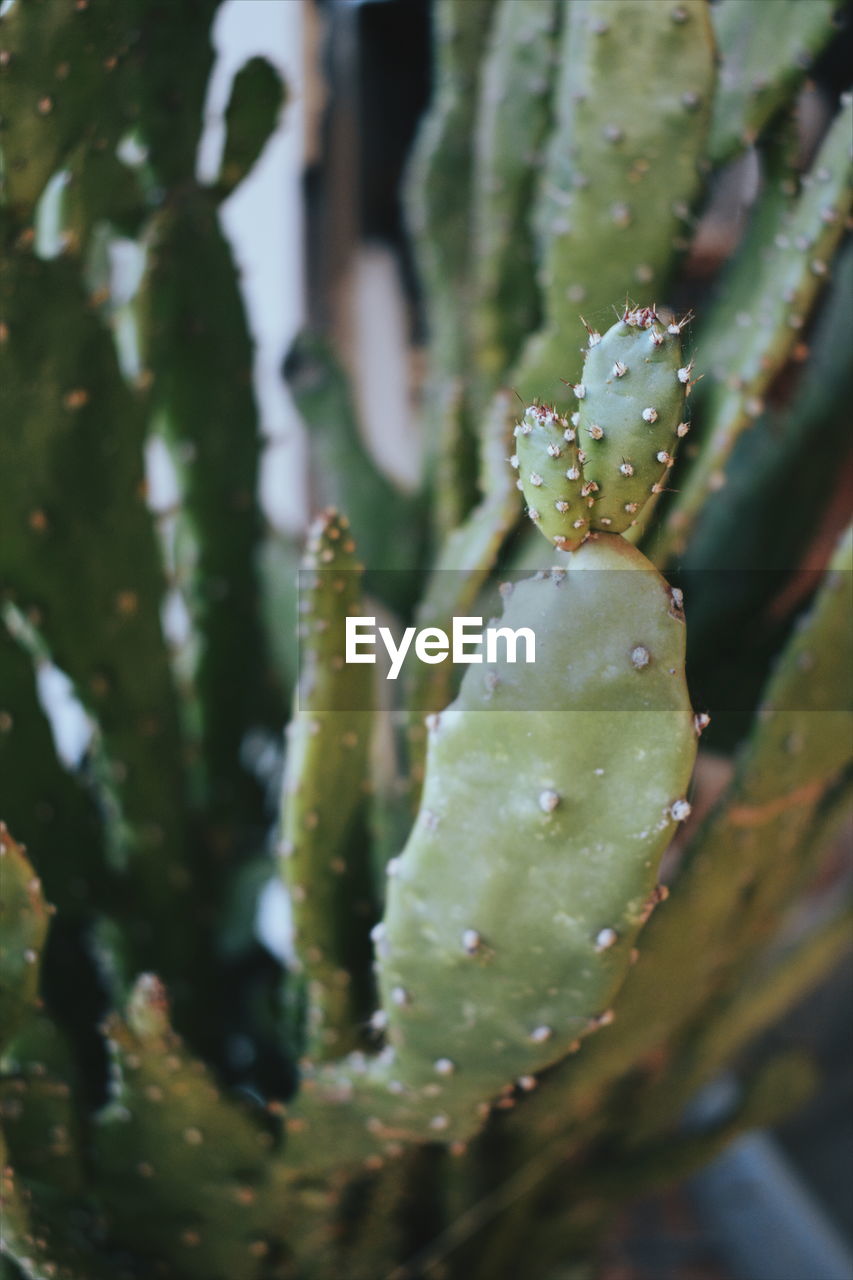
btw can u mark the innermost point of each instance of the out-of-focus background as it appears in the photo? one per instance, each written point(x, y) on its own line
point(317, 227)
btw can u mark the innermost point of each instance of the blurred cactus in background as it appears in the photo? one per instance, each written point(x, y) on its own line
point(500, 999)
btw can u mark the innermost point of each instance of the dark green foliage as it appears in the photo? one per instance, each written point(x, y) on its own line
point(250, 117)
point(192, 322)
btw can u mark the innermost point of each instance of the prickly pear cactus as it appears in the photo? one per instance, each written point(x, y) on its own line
point(596, 468)
point(495, 960)
point(587, 762)
point(341, 993)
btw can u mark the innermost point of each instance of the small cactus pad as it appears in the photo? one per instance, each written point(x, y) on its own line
point(550, 476)
point(631, 415)
point(596, 469)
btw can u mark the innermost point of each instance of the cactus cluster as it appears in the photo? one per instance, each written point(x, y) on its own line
point(481, 1004)
point(595, 469)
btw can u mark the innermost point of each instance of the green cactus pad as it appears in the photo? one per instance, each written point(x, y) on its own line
point(550, 476)
point(45, 1233)
point(523, 934)
point(597, 469)
point(512, 912)
point(256, 99)
point(622, 168)
point(182, 1175)
point(631, 415)
point(39, 1109)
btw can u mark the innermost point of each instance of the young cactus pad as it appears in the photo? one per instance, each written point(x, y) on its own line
point(597, 469)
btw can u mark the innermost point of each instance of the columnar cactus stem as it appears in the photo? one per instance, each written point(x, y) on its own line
point(514, 113)
point(622, 166)
point(51, 56)
point(742, 530)
point(324, 793)
point(766, 303)
point(47, 808)
point(196, 353)
point(462, 567)
point(439, 205)
point(76, 513)
point(440, 184)
point(192, 321)
point(767, 47)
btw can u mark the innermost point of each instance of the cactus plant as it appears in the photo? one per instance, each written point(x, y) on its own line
point(495, 975)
